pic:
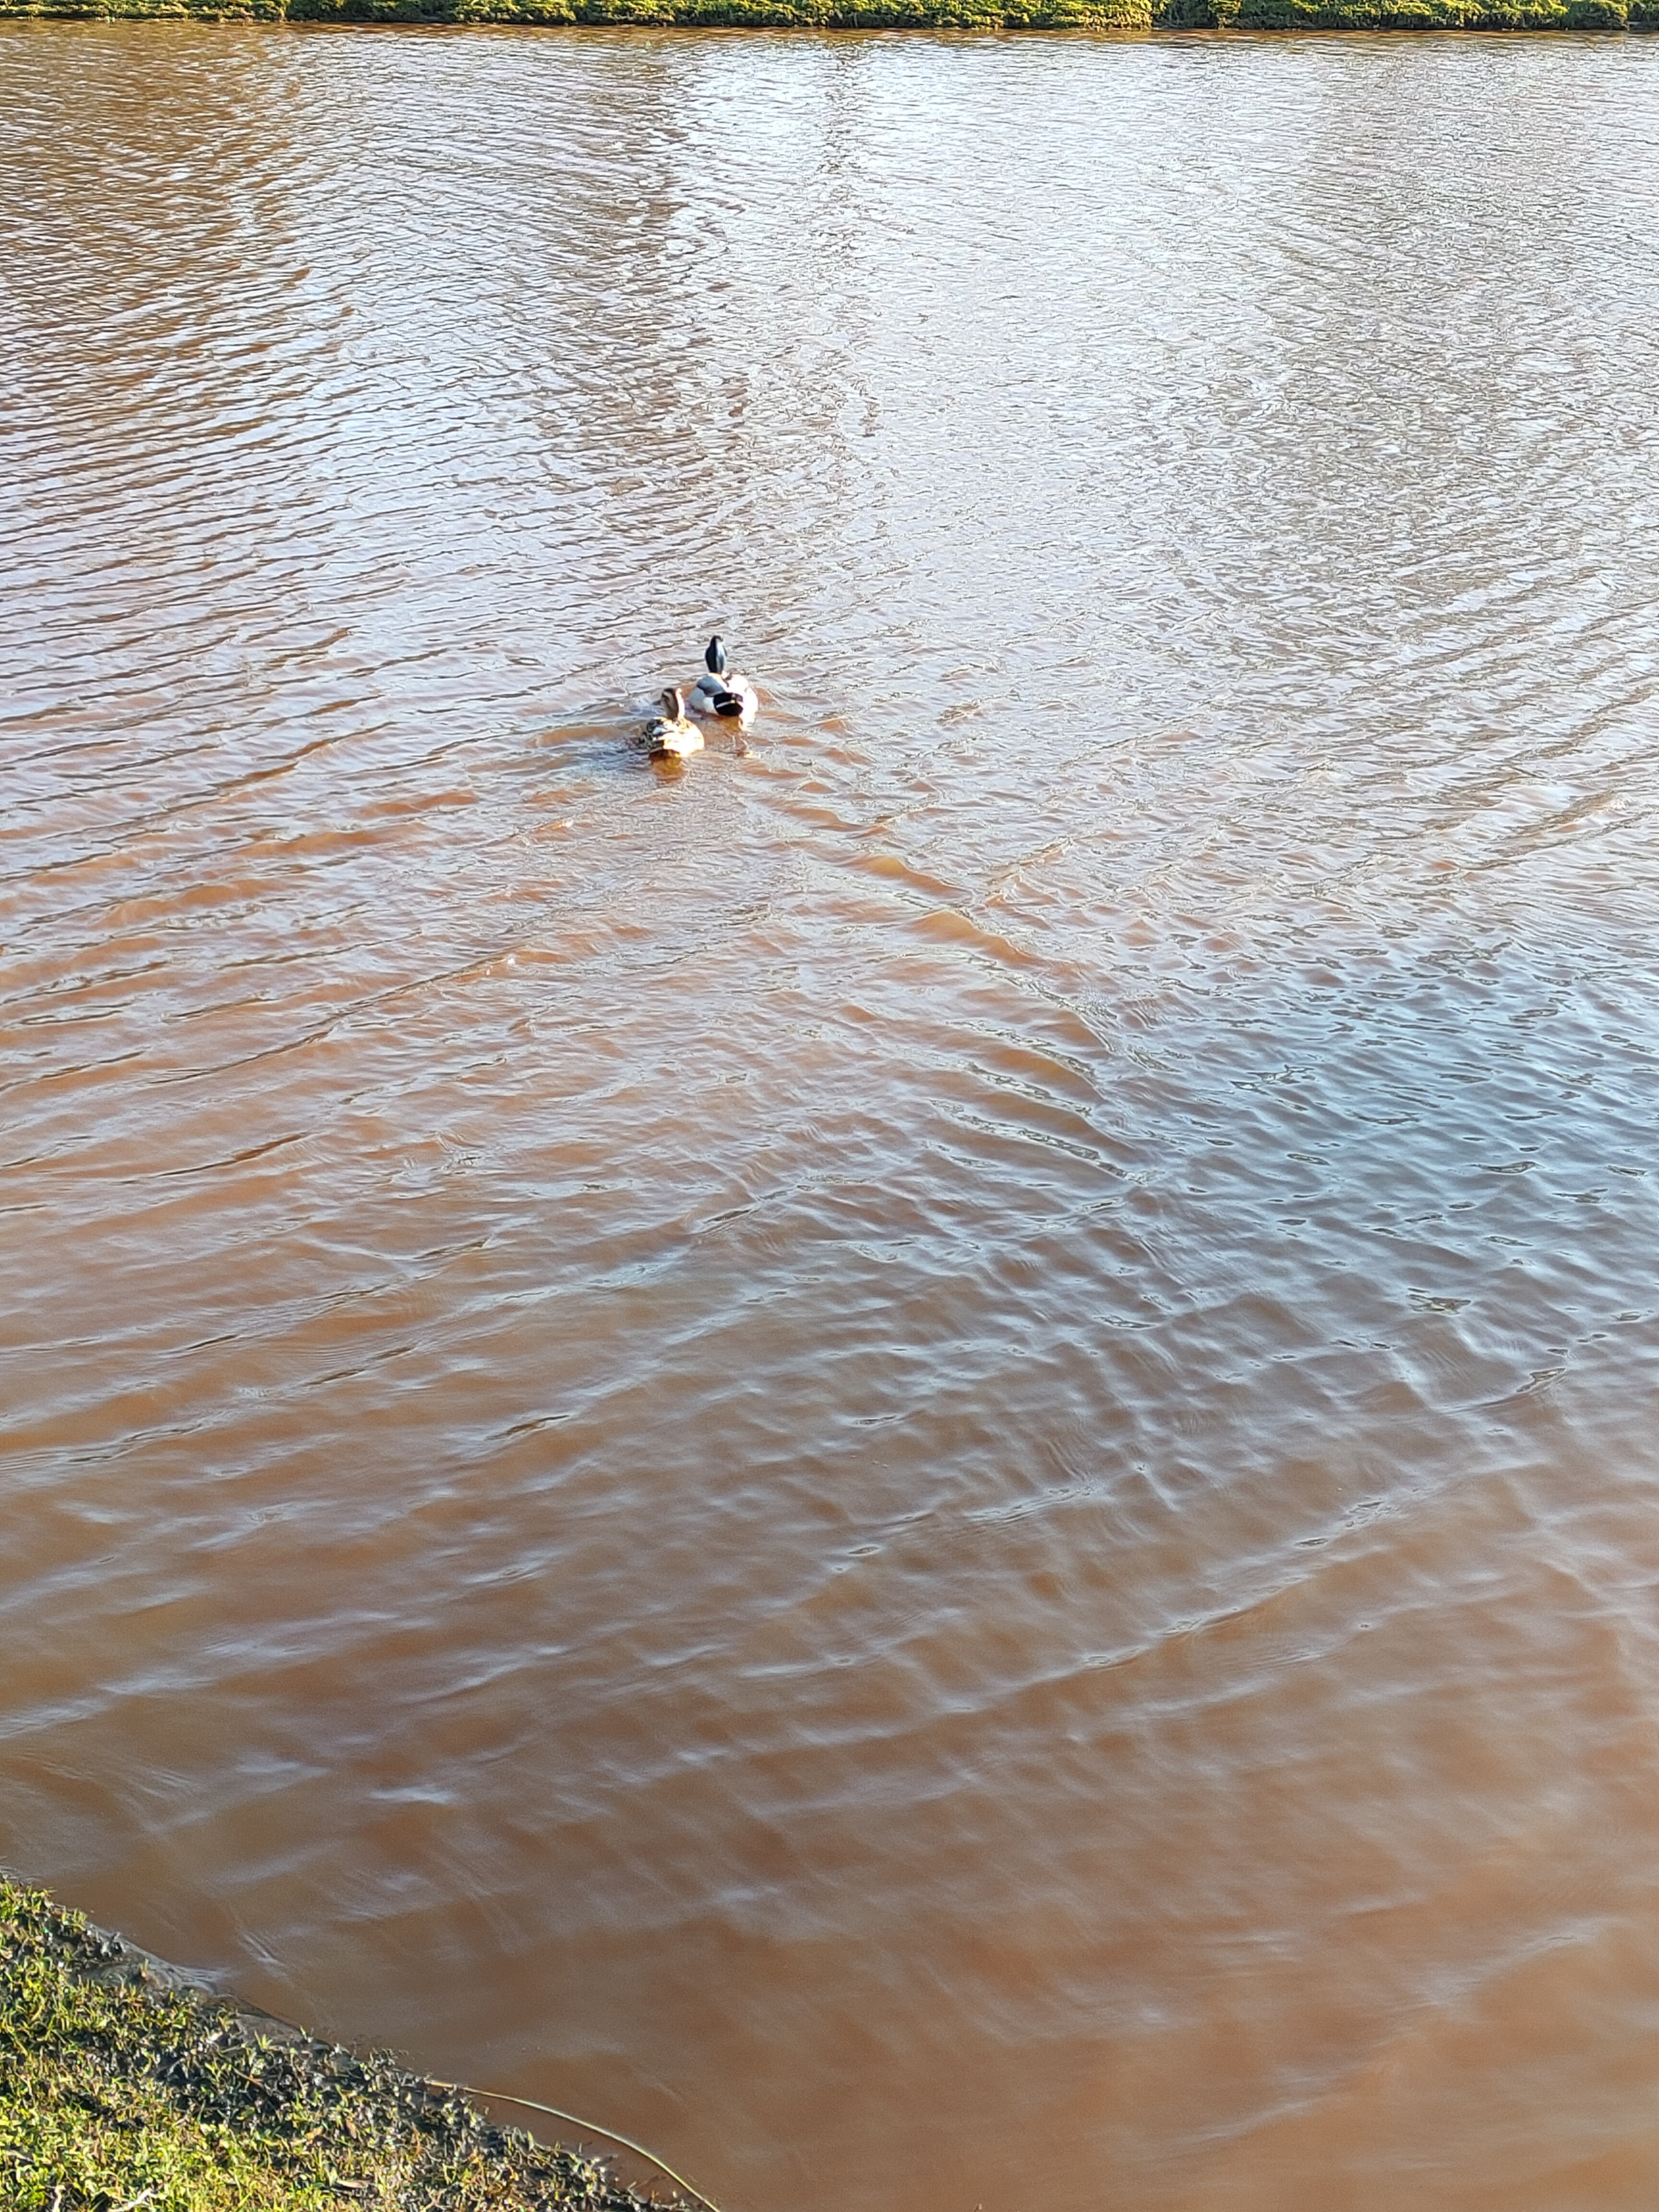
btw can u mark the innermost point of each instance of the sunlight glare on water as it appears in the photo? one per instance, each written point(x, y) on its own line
point(921, 1463)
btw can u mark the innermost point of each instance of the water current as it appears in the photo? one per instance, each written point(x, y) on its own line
point(924, 1462)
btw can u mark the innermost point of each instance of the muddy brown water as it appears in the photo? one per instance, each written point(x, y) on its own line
point(925, 1464)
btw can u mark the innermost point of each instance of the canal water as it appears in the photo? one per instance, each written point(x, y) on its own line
point(923, 1462)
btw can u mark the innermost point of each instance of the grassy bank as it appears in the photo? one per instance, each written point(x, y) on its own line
point(912, 14)
point(1410, 15)
point(122, 2088)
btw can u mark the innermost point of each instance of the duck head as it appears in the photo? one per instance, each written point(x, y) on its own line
point(714, 658)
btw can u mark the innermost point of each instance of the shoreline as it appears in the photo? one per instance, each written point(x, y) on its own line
point(1418, 17)
point(124, 2078)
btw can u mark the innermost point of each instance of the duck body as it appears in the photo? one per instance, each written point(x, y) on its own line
point(719, 693)
point(669, 735)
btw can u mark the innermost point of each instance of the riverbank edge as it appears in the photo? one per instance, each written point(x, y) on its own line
point(123, 2078)
point(962, 15)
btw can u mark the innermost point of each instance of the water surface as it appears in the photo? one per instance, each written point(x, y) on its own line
point(922, 1463)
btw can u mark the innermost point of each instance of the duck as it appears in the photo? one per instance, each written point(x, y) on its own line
point(669, 736)
point(721, 691)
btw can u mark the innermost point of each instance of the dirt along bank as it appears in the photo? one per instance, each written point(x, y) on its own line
point(125, 2082)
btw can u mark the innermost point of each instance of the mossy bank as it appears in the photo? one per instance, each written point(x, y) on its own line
point(1193, 15)
point(122, 2084)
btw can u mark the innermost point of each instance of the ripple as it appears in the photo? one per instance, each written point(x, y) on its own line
point(928, 1451)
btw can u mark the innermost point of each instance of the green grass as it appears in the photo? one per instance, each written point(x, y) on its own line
point(754, 14)
point(819, 15)
point(118, 2094)
point(1409, 15)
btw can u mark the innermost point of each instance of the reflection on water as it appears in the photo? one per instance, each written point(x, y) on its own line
point(922, 1462)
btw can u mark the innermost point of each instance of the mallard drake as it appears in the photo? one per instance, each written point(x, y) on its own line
point(721, 691)
point(669, 736)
